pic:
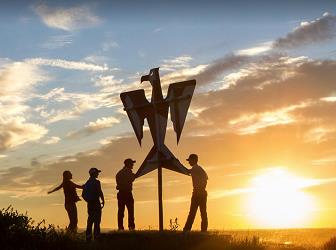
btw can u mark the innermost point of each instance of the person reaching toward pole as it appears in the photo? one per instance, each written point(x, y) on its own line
point(199, 195)
point(71, 197)
point(124, 179)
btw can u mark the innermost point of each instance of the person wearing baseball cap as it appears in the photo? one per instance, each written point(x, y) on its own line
point(92, 194)
point(124, 179)
point(199, 195)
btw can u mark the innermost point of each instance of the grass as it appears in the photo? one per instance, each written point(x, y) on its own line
point(18, 231)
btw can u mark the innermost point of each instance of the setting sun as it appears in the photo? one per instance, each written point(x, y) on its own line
point(277, 200)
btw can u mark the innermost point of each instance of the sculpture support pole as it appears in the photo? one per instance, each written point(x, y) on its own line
point(160, 198)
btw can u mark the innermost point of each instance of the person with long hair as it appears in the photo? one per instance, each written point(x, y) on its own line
point(71, 197)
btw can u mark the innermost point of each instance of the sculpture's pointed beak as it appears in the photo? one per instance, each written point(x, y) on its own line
point(144, 78)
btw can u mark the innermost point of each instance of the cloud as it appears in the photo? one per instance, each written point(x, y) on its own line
point(264, 47)
point(18, 78)
point(16, 131)
point(217, 67)
point(67, 64)
point(93, 127)
point(108, 83)
point(247, 124)
point(321, 29)
point(58, 41)
point(176, 63)
point(76, 103)
point(52, 140)
point(266, 94)
point(17, 85)
point(110, 45)
point(67, 19)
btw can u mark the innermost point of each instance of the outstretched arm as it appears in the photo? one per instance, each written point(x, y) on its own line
point(78, 186)
point(55, 189)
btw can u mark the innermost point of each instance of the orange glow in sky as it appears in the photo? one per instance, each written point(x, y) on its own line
point(278, 200)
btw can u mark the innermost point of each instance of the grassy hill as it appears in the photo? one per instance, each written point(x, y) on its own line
point(18, 231)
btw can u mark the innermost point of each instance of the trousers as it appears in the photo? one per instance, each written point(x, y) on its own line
point(125, 199)
point(94, 218)
point(198, 199)
point(71, 209)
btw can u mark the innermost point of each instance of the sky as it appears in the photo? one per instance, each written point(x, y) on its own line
point(262, 118)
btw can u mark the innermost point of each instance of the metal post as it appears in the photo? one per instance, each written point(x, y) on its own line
point(160, 198)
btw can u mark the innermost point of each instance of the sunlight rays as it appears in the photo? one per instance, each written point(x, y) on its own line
point(278, 200)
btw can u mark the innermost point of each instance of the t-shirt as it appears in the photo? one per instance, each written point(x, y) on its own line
point(92, 190)
point(70, 194)
point(199, 178)
point(124, 179)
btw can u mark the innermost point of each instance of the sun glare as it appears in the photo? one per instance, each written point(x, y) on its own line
point(278, 201)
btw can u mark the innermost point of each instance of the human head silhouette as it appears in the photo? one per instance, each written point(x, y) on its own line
point(67, 175)
point(192, 159)
point(94, 172)
point(129, 163)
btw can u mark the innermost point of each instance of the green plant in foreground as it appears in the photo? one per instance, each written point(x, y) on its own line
point(18, 231)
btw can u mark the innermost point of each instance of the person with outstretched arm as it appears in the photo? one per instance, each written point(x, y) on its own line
point(93, 195)
point(71, 197)
point(199, 195)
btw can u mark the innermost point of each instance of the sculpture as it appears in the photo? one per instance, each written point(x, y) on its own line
point(138, 109)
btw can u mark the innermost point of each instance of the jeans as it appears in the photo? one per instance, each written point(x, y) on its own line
point(125, 199)
point(71, 209)
point(94, 218)
point(198, 199)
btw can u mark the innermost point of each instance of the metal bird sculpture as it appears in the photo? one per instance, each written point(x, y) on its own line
point(138, 109)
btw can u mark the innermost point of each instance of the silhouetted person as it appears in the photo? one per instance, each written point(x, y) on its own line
point(92, 194)
point(71, 197)
point(199, 195)
point(124, 179)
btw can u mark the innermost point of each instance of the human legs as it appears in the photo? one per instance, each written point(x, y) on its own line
point(89, 221)
point(203, 210)
point(94, 218)
point(97, 220)
point(71, 209)
point(121, 210)
point(130, 209)
point(192, 213)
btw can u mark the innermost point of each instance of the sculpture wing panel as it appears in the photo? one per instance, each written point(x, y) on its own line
point(136, 106)
point(179, 98)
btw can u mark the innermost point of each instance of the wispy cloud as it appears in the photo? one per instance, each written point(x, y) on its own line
point(218, 194)
point(52, 140)
point(109, 45)
point(76, 65)
point(321, 29)
point(67, 19)
point(93, 127)
point(248, 124)
point(58, 41)
point(76, 103)
point(108, 83)
point(259, 49)
point(176, 63)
